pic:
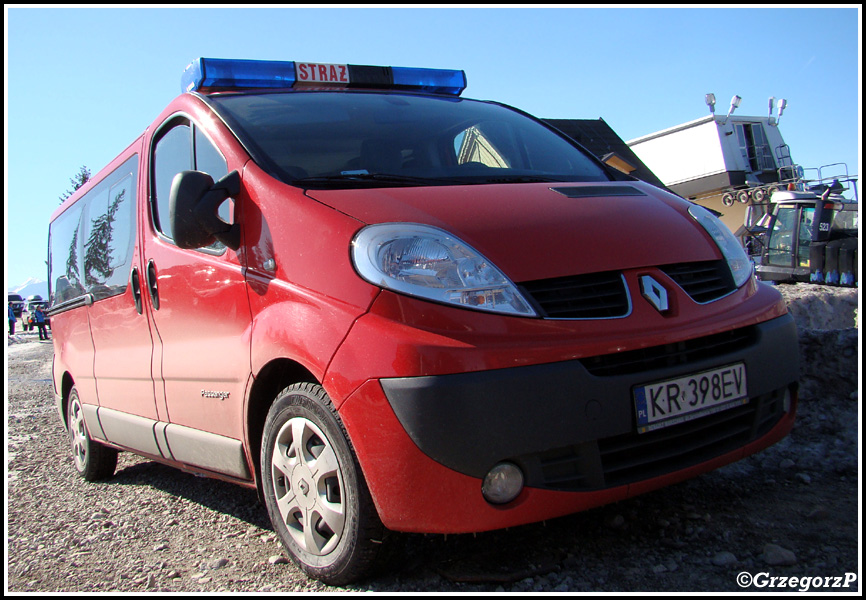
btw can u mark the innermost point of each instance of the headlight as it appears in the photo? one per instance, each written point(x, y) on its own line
point(738, 260)
point(424, 261)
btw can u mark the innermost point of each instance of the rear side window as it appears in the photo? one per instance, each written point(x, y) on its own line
point(64, 271)
point(91, 244)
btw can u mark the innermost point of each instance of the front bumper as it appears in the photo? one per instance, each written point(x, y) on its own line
point(425, 443)
point(572, 411)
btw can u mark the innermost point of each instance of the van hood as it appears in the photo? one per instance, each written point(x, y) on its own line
point(536, 231)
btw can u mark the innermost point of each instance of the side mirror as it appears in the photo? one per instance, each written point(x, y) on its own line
point(193, 203)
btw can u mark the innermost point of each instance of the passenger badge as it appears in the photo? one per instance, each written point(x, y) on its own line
point(654, 292)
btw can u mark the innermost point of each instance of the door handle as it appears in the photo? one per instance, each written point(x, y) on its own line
point(136, 289)
point(151, 284)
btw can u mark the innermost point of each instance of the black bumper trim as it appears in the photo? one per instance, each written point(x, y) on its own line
point(471, 421)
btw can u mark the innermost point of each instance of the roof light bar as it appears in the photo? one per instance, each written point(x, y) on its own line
point(207, 75)
point(211, 74)
point(438, 81)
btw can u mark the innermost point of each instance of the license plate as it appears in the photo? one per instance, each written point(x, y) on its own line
point(673, 401)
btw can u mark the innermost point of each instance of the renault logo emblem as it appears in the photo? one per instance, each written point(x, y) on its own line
point(653, 291)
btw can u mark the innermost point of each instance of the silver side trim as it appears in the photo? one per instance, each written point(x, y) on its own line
point(170, 441)
point(129, 431)
point(91, 419)
point(207, 450)
point(161, 440)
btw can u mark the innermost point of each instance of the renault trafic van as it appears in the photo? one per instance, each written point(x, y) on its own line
point(393, 309)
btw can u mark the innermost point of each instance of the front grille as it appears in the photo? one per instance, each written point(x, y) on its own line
point(605, 295)
point(702, 281)
point(634, 457)
point(670, 355)
point(593, 296)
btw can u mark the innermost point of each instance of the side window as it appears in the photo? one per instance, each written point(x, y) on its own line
point(805, 235)
point(64, 251)
point(781, 244)
point(109, 238)
point(209, 160)
point(848, 218)
point(172, 154)
point(91, 244)
point(121, 210)
point(182, 148)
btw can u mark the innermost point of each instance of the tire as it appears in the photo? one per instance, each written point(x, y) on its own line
point(93, 461)
point(314, 490)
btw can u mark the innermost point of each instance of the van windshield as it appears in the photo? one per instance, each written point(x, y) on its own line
point(370, 139)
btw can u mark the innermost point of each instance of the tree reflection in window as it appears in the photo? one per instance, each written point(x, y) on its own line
point(104, 219)
point(98, 248)
point(72, 274)
point(69, 286)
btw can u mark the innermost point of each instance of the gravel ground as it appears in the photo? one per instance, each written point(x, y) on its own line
point(791, 511)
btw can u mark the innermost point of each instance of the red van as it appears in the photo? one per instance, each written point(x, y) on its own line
point(390, 308)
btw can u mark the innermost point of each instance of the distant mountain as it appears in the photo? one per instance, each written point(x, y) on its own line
point(29, 288)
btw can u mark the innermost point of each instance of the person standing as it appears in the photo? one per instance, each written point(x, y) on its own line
point(12, 320)
point(39, 315)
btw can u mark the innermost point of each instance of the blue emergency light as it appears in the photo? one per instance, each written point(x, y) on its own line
point(207, 75)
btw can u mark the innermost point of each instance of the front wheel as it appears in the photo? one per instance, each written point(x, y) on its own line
point(314, 490)
point(93, 461)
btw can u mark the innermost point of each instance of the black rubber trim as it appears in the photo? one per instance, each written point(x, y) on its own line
point(77, 302)
point(372, 77)
point(471, 421)
point(598, 191)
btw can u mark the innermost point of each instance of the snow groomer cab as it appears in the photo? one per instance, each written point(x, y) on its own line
point(393, 309)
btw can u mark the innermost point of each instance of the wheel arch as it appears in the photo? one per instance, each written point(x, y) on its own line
point(275, 376)
point(66, 385)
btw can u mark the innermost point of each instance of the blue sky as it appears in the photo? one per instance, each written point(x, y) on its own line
point(82, 83)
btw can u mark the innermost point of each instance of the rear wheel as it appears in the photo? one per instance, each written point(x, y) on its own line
point(93, 461)
point(314, 490)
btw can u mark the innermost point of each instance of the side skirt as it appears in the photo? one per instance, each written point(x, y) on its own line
point(169, 441)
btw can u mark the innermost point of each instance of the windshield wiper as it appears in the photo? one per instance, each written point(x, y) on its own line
point(363, 178)
point(522, 179)
point(372, 178)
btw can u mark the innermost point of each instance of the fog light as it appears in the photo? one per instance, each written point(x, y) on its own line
point(502, 484)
